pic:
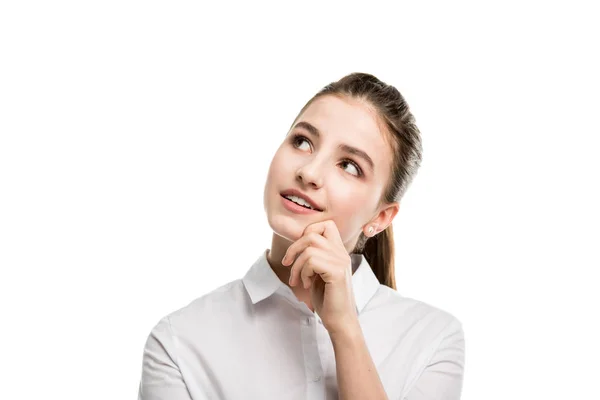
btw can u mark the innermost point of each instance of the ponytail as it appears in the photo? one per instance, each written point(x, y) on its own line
point(379, 253)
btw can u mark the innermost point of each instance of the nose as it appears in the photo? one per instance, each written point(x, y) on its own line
point(310, 174)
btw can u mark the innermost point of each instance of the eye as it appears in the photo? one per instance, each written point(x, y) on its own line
point(297, 138)
point(352, 163)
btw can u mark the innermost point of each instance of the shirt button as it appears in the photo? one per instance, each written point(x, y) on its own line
point(317, 378)
point(307, 321)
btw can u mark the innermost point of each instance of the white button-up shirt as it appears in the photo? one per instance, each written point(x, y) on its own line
point(253, 339)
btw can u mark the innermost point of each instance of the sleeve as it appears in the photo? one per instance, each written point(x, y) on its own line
point(442, 378)
point(161, 378)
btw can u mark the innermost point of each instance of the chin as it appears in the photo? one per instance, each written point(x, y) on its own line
point(286, 226)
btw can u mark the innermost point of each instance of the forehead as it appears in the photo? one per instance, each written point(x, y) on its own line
point(349, 121)
point(345, 116)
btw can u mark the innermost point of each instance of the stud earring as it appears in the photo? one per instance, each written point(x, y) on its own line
point(370, 230)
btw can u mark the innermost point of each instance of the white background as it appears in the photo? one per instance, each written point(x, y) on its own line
point(135, 138)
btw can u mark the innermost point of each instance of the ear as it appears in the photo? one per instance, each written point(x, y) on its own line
point(384, 218)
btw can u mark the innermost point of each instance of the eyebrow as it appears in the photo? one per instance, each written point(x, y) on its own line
point(344, 147)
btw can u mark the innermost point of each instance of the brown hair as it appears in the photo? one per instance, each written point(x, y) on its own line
point(390, 106)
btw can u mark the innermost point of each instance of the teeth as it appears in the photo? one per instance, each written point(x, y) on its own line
point(300, 201)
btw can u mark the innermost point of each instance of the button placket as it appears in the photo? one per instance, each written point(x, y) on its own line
point(313, 363)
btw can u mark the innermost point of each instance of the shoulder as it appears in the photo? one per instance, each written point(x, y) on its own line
point(415, 312)
point(218, 301)
point(208, 310)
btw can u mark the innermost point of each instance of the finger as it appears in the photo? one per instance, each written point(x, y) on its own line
point(311, 264)
point(296, 269)
point(327, 229)
point(299, 265)
point(310, 271)
point(310, 239)
point(308, 268)
point(304, 267)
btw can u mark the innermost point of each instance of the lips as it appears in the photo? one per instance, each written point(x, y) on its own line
point(295, 192)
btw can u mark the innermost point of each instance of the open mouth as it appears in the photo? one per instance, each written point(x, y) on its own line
point(308, 208)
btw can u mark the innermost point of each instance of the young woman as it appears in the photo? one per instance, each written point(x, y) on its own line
point(317, 316)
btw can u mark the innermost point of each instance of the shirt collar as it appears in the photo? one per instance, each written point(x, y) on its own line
point(261, 282)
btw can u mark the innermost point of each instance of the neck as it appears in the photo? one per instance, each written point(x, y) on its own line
point(278, 249)
point(279, 246)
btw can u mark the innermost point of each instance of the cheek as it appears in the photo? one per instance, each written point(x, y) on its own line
point(281, 160)
point(276, 168)
point(280, 173)
point(347, 215)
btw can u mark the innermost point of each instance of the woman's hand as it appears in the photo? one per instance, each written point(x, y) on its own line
point(324, 265)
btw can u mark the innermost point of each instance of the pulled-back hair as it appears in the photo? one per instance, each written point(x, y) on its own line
point(401, 132)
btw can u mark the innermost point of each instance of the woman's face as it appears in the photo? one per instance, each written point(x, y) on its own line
point(344, 185)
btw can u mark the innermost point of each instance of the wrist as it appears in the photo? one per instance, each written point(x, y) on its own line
point(348, 332)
